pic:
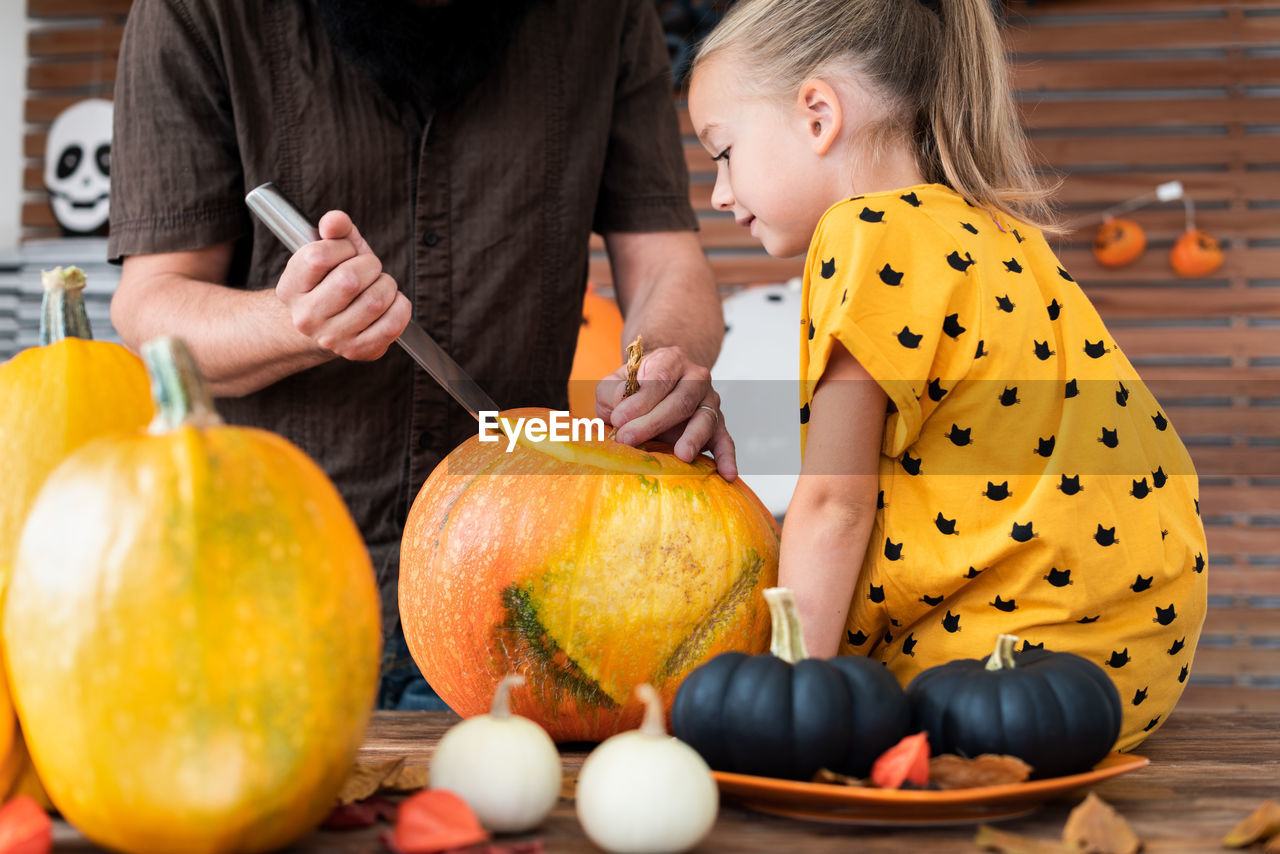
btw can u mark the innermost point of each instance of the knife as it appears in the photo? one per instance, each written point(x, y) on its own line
point(295, 231)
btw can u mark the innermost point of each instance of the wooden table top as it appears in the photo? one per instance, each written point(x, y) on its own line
point(1207, 771)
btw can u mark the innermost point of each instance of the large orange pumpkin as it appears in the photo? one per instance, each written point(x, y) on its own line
point(53, 398)
point(1118, 242)
point(587, 566)
point(1195, 254)
point(192, 632)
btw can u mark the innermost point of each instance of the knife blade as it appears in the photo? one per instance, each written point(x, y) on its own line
point(289, 224)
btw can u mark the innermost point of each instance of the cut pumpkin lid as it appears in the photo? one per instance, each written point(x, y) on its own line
point(651, 458)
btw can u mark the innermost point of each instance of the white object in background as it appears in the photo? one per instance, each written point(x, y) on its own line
point(1169, 191)
point(756, 376)
point(77, 165)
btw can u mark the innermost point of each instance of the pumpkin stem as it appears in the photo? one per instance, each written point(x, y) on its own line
point(501, 707)
point(788, 636)
point(62, 313)
point(179, 391)
point(653, 714)
point(635, 352)
point(1002, 657)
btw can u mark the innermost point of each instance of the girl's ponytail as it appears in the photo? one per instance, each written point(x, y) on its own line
point(972, 120)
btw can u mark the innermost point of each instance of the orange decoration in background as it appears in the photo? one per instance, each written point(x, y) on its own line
point(1195, 254)
point(599, 351)
point(1119, 242)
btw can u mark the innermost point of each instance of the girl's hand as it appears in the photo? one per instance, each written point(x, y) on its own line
point(675, 404)
point(338, 295)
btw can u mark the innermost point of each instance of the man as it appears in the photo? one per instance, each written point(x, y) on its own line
point(465, 151)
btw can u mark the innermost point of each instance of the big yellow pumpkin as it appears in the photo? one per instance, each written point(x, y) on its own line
point(192, 632)
point(53, 398)
point(588, 566)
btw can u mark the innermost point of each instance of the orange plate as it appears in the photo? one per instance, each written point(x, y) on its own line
point(853, 805)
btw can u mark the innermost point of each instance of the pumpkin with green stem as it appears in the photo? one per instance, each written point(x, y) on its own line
point(586, 565)
point(589, 566)
point(784, 714)
point(192, 632)
point(53, 398)
point(1056, 711)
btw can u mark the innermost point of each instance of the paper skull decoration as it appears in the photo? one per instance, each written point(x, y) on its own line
point(77, 170)
point(755, 375)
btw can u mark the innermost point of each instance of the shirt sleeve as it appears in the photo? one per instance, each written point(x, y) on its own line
point(900, 295)
point(176, 176)
point(645, 186)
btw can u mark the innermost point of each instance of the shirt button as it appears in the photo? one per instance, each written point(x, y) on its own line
point(430, 238)
point(424, 439)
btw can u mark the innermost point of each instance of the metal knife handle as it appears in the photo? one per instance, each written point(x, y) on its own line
point(296, 231)
point(281, 216)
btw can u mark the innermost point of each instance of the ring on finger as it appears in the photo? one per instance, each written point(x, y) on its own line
point(715, 415)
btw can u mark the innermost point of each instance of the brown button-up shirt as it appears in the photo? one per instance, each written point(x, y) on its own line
point(482, 216)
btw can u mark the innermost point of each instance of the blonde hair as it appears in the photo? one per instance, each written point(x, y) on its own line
point(941, 73)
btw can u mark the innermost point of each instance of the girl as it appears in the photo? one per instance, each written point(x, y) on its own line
point(978, 455)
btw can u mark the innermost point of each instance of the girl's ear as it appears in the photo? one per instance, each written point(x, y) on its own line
point(819, 107)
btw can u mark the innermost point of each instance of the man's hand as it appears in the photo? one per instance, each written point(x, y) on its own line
point(338, 295)
point(675, 404)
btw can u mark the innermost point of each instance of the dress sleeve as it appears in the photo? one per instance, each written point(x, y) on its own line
point(900, 295)
point(176, 177)
point(645, 186)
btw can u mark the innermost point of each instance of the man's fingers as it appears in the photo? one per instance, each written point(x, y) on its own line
point(371, 343)
point(725, 452)
point(309, 266)
point(337, 225)
point(346, 328)
point(341, 288)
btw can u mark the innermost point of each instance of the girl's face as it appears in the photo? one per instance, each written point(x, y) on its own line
point(769, 173)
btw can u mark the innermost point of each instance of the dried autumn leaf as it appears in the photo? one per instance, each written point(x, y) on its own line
point(1094, 827)
point(825, 775)
point(949, 771)
point(406, 778)
point(1262, 823)
point(366, 778)
point(991, 839)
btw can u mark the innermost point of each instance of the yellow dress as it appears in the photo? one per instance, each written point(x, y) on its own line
point(1029, 482)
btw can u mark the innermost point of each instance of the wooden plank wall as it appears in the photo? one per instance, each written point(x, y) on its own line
point(72, 47)
point(1119, 96)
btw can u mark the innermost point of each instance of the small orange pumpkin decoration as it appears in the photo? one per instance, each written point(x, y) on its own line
point(57, 396)
point(192, 631)
point(1195, 254)
point(598, 354)
point(587, 566)
point(1118, 242)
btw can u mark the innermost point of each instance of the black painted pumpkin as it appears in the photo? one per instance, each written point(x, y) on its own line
point(787, 715)
point(1056, 711)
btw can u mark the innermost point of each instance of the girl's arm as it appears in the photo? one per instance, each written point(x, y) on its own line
point(829, 520)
